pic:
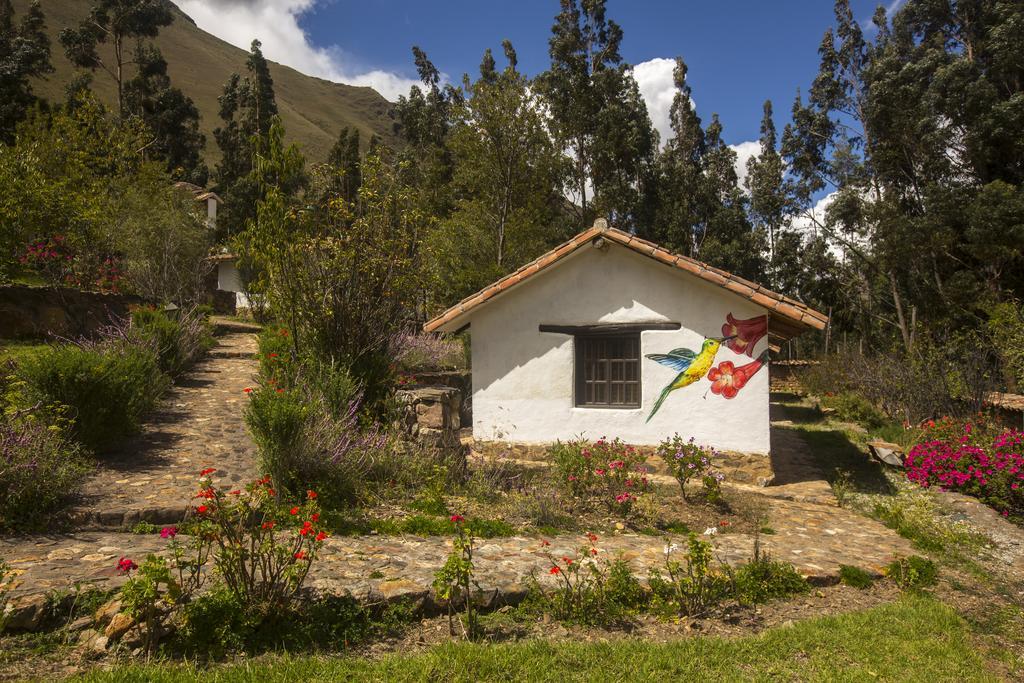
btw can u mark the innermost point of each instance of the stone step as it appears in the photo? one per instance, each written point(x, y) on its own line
point(222, 326)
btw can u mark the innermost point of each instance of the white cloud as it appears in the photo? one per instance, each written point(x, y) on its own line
point(744, 152)
point(275, 24)
point(654, 78)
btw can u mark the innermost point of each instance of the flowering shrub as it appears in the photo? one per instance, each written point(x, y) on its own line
point(609, 472)
point(54, 259)
point(973, 458)
point(426, 352)
point(688, 461)
point(40, 470)
point(587, 588)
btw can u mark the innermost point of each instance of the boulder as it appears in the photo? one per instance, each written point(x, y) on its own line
point(26, 613)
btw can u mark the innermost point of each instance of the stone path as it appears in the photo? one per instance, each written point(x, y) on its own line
point(815, 538)
point(198, 424)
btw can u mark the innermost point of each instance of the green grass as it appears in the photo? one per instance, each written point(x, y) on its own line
point(914, 639)
point(14, 349)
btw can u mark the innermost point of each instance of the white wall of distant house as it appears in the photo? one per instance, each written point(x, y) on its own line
point(523, 378)
point(229, 280)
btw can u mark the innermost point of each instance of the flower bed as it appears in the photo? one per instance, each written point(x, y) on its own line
point(974, 458)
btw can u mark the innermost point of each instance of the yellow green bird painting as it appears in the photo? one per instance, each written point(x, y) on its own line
point(691, 365)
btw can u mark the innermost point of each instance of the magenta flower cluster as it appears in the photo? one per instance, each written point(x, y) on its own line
point(988, 466)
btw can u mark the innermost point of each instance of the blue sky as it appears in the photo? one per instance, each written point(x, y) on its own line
point(740, 52)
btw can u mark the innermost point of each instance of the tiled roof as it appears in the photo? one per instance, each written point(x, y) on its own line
point(789, 316)
point(200, 194)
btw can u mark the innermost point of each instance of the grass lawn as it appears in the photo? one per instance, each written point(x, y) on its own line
point(14, 349)
point(914, 639)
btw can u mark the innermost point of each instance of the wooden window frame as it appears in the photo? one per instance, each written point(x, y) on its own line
point(610, 385)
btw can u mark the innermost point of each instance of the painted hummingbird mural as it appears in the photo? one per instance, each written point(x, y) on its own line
point(692, 366)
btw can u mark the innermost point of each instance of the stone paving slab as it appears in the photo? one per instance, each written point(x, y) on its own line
point(198, 424)
point(815, 538)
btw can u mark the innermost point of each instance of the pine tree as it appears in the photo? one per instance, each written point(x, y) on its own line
point(169, 114)
point(769, 205)
point(247, 110)
point(344, 160)
point(116, 22)
point(597, 117)
point(24, 54)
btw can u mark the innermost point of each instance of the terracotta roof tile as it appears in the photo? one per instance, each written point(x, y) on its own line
point(794, 315)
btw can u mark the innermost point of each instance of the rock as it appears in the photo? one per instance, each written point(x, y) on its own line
point(118, 626)
point(80, 624)
point(93, 641)
point(888, 453)
point(26, 614)
point(107, 611)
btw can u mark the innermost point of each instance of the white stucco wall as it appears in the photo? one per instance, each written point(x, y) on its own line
point(523, 378)
point(229, 280)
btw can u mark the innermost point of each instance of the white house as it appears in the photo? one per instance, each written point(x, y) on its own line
point(228, 278)
point(610, 335)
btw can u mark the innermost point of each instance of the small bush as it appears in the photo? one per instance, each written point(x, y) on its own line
point(913, 572)
point(851, 407)
point(687, 461)
point(606, 472)
point(763, 579)
point(692, 586)
point(587, 589)
point(855, 577)
point(40, 471)
point(104, 389)
point(179, 342)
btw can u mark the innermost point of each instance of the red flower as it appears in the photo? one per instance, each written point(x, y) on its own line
point(267, 525)
point(169, 532)
point(280, 390)
point(304, 531)
point(545, 543)
point(727, 379)
point(208, 470)
point(311, 494)
point(321, 536)
point(125, 565)
point(745, 333)
point(723, 523)
point(593, 551)
point(270, 492)
point(555, 570)
point(272, 355)
point(236, 492)
point(202, 509)
point(294, 511)
point(591, 537)
point(458, 519)
point(315, 517)
point(247, 390)
point(301, 555)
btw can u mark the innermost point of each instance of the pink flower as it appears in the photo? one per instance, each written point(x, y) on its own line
point(125, 565)
point(169, 532)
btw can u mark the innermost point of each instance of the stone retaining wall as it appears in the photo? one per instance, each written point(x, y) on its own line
point(39, 312)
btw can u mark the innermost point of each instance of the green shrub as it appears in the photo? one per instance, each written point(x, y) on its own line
point(179, 342)
point(762, 579)
point(855, 577)
point(851, 407)
point(692, 585)
point(40, 471)
point(913, 572)
point(104, 390)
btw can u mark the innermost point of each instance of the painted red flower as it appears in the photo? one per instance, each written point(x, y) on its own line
point(745, 333)
point(727, 379)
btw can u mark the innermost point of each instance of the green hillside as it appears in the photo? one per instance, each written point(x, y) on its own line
point(314, 110)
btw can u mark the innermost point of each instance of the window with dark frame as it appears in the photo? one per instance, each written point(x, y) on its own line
point(608, 371)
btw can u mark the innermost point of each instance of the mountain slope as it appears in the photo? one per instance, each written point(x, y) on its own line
point(313, 110)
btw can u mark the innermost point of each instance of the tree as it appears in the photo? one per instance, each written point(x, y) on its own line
point(680, 173)
point(597, 116)
point(24, 54)
point(769, 202)
point(248, 108)
point(169, 114)
point(344, 160)
point(505, 185)
point(116, 22)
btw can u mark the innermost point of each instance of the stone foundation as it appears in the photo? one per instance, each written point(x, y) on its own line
point(39, 312)
point(431, 414)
